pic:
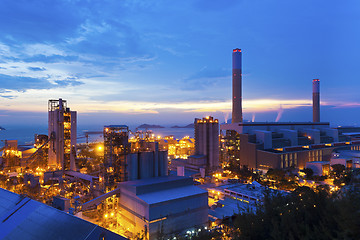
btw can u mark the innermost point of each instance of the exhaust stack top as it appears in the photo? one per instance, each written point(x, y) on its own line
point(316, 100)
point(236, 88)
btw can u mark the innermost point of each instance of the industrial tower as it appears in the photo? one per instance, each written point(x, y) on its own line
point(236, 81)
point(316, 100)
point(116, 148)
point(62, 134)
point(207, 141)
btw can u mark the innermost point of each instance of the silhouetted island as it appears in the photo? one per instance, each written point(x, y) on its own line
point(149, 126)
point(191, 125)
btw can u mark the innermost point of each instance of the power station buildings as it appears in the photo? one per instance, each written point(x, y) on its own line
point(265, 145)
point(206, 133)
point(163, 206)
point(62, 133)
point(124, 162)
point(206, 157)
point(116, 148)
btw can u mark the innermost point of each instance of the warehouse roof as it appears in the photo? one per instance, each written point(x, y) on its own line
point(83, 176)
point(171, 194)
point(23, 218)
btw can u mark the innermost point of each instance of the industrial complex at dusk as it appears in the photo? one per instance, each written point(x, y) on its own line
point(291, 178)
point(139, 185)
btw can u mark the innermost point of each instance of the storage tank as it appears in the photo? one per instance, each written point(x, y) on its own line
point(133, 165)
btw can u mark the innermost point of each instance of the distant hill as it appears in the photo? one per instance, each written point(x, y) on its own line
point(191, 125)
point(1, 128)
point(149, 126)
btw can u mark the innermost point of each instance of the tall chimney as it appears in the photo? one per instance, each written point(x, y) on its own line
point(316, 100)
point(236, 81)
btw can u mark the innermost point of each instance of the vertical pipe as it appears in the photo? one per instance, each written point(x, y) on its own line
point(316, 100)
point(236, 80)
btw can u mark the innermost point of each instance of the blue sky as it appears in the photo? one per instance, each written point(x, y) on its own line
point(164, 62)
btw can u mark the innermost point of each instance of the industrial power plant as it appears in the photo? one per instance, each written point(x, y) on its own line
point(142, 186)
point(274, 145)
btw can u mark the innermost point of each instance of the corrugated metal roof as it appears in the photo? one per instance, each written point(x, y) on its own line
point(23, 218)
point(151, 181)
point(83, 176)
point(171, 194)
point(231, 207)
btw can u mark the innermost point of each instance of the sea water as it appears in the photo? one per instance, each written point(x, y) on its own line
point(25, 134)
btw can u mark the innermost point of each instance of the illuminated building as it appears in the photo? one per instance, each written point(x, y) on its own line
point(206, 143)
point(207, 146)
point(282, 145)
point(163, 205)
point(116, 147)
point(320, 168)
point(265, 145)
point(24, 218)
point(40, 139)
point(138, 159)
point(62, 133)
point(11, 156)
point(177, 148)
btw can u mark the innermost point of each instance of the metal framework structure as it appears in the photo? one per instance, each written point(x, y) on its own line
point(116, 147)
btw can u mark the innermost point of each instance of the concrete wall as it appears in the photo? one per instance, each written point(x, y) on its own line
point(292, 135)
point(170, 216)
point(266, 160)
point(247, 152)
point(314, 135)
point(180, 214)
point(264, 137)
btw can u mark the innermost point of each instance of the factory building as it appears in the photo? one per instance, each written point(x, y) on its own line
point(282, 145)
point(10, 156)
point(24, 218)
point(116, 147)
point(206, 155)
point(162, 205)
point(62, 134)
point(147, 164)
point(16, 158)
point(124, 161)
point(265, 145)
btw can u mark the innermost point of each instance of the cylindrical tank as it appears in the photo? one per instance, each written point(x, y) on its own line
point(145, 164)
point(156, 160)
point(163, 163)
point(132, 161)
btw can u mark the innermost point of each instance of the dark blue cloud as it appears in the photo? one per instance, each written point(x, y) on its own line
point(23, 83)
point(50, 59)
point(210, 73)
point(205, 78)
point(7, 96)
point(37, 69)
point(38, 21)
point(68, 82)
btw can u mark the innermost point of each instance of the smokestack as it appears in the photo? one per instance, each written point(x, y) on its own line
point(236, 81)
point(316, 100)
